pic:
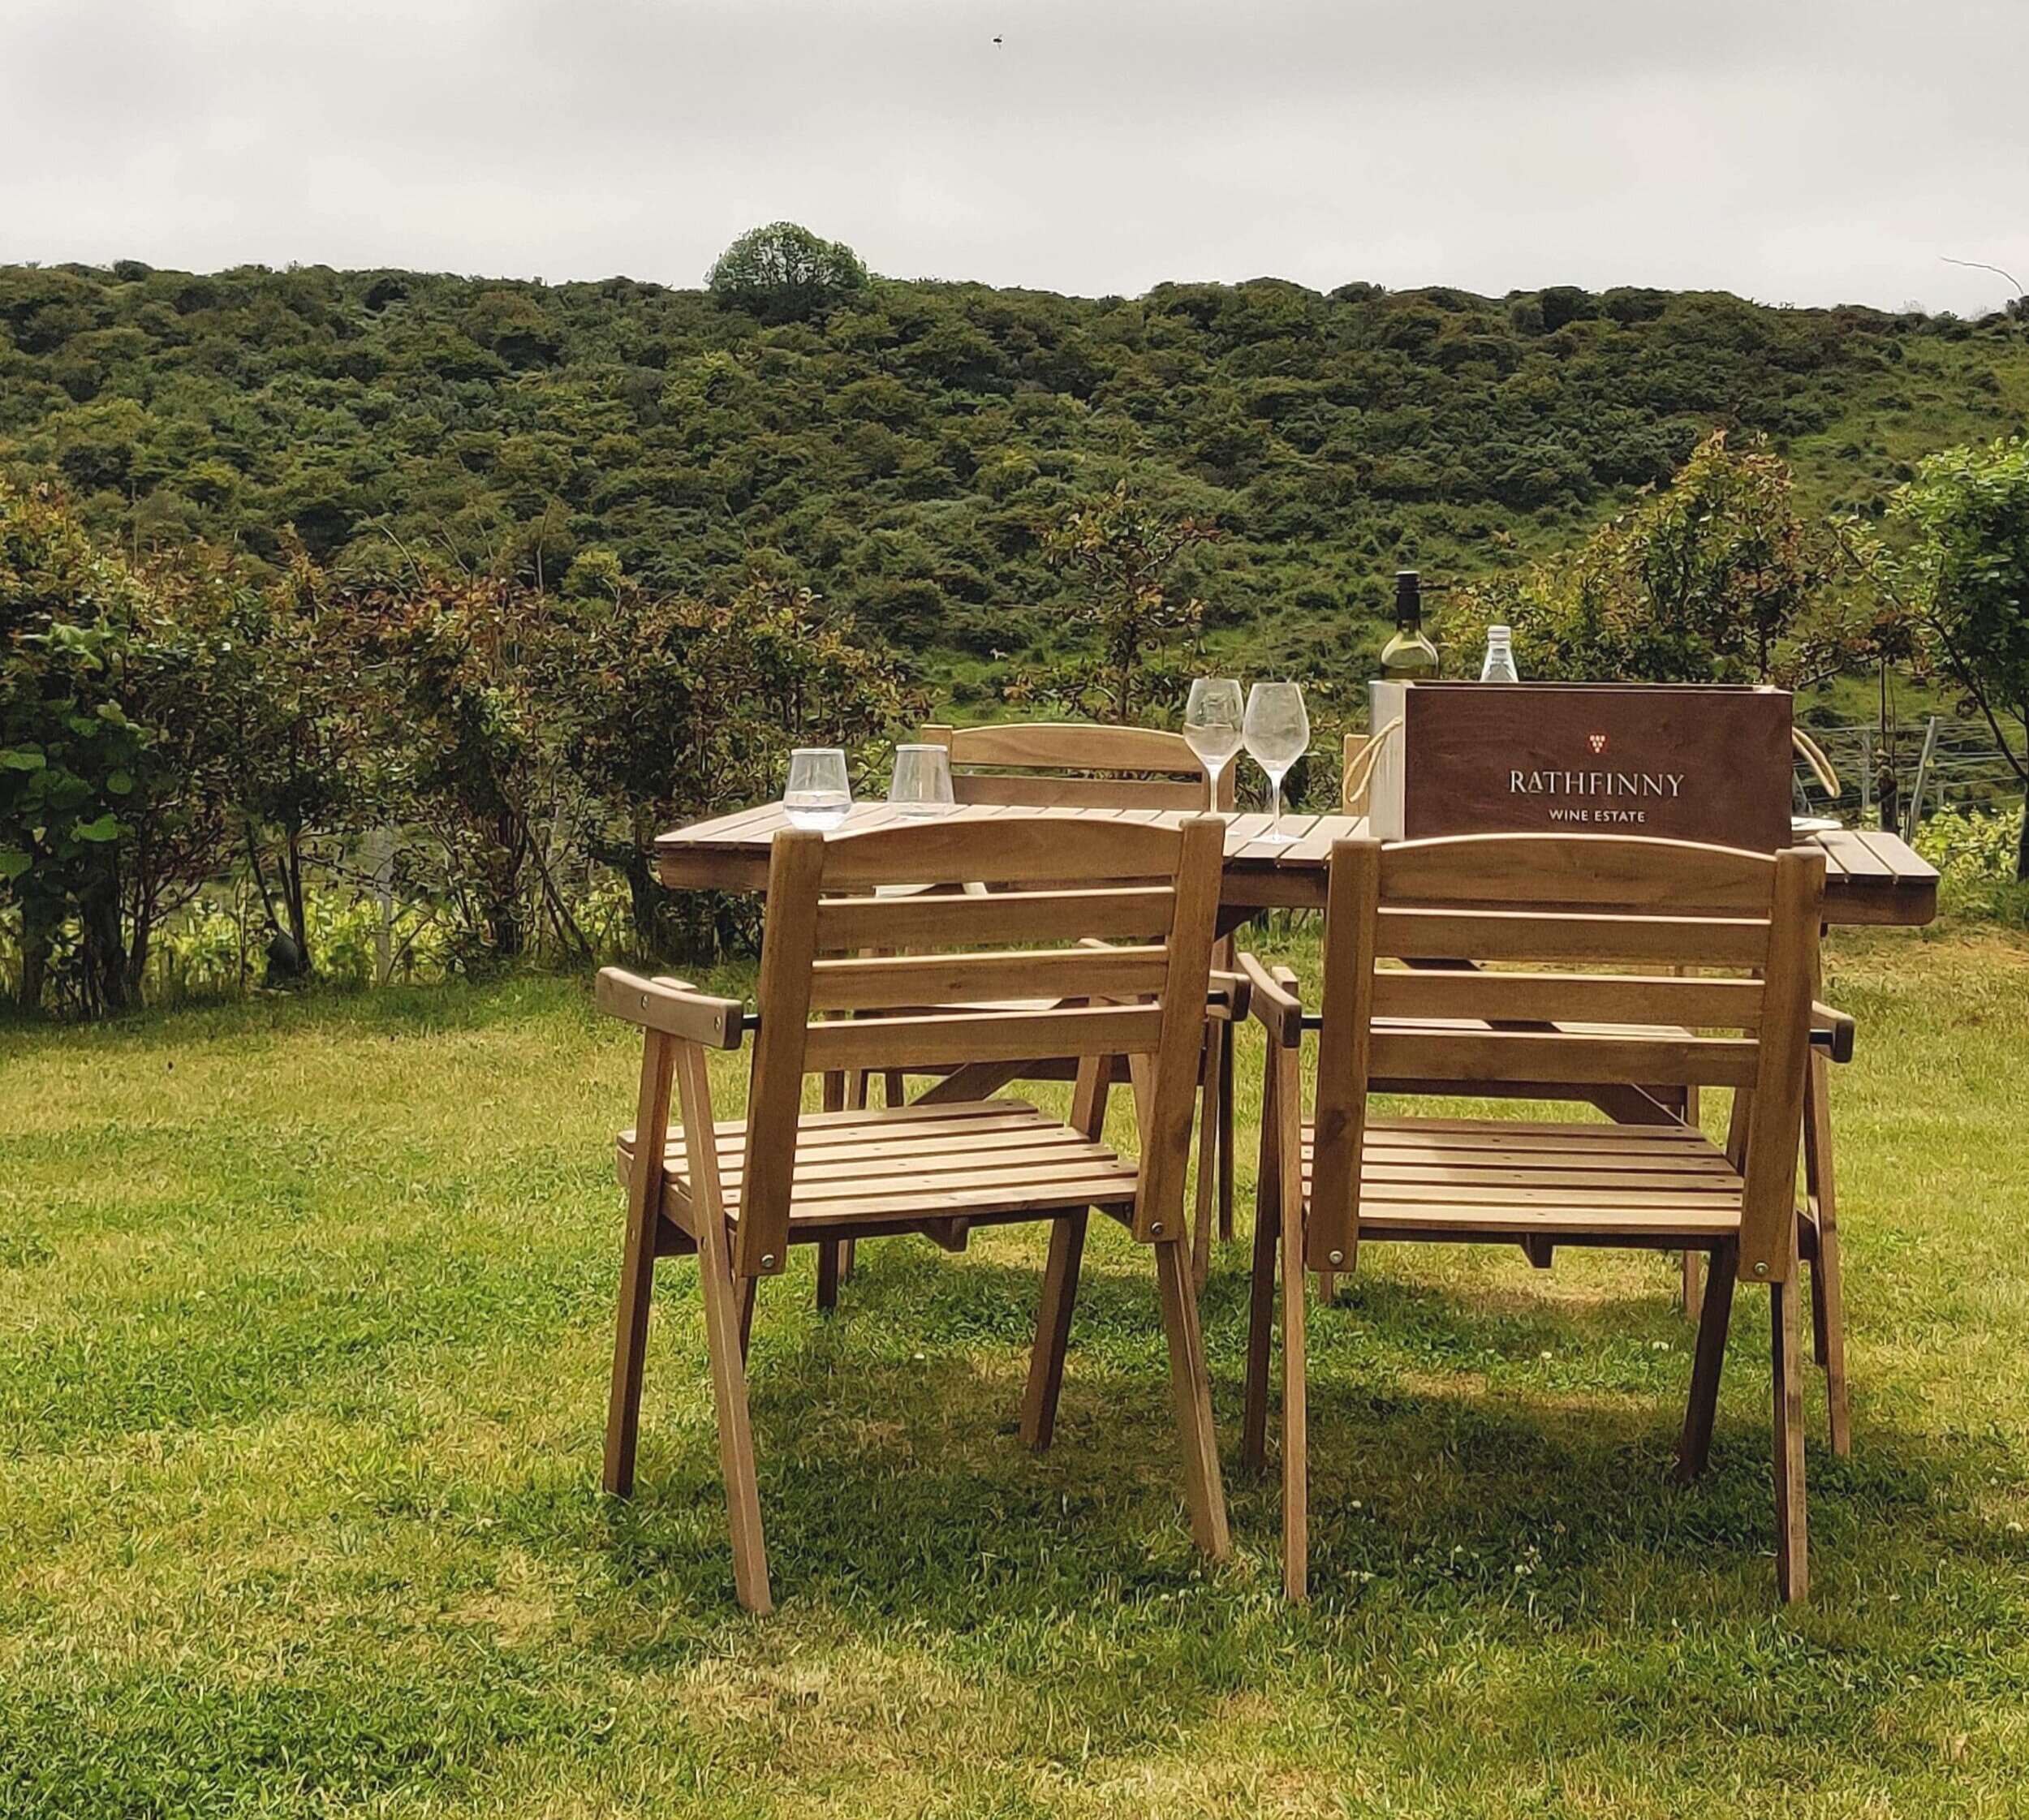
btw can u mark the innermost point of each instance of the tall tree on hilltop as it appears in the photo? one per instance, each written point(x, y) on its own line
point(785, 273)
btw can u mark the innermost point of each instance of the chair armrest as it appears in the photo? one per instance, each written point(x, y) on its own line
point(1275, 1006)
point(1227, 996)
point(671, 1006)
point(1833, 1031)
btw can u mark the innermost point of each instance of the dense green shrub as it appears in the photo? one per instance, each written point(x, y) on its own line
point(481, 755)
point(1974, 855)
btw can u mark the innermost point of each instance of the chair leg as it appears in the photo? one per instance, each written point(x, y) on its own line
point(637, 1266)
point(630, 1353)
point(728, 1308)
point(1225, 1132)
point(1209, 1079)
point(1053, 1330)
point(1691, 1111)
point(1260, 1329)
point(1694, 1448)
point(736, 1432)
point(1296, 1447)
point(830, 1260)
point(1827, 1293)
point(1268, 1234)
point(857, 1098)
point(1792, 1570)
point(744, 1288)
point(1191, 1387)
point(837, 1087)
point(895, 1092)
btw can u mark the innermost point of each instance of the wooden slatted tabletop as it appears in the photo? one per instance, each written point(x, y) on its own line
point(1869, 877)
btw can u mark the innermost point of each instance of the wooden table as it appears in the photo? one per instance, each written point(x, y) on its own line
point(1869, 878)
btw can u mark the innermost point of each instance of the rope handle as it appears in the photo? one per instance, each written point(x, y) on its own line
point(1814, 756)
point(1360, 771)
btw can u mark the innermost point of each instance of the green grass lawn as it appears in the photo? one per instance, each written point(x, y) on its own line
point(304, 1325)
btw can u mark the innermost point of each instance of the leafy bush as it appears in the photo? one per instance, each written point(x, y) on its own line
point(1966, 581)
point(1974, 855)
point(167, 725)
point(1719, 578)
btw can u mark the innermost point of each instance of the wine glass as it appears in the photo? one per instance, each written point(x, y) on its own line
point(1277, 733)
point(922, 784)
point(819, 792)
point(1213, 720)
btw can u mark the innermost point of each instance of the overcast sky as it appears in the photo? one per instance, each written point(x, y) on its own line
point(1803, 151)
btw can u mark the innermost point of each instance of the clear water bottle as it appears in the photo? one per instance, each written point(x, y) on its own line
point(1499, 665)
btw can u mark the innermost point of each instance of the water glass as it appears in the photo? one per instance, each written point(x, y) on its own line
point(1212, 722)
point(1277, 733)
point(819, 792)
point(922, 783)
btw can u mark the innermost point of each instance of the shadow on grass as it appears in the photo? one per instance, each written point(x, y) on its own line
point(1500, 1568)
point(895, 1490)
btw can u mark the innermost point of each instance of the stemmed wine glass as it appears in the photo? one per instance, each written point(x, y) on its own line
point(1213, 720)
point(1277, 733)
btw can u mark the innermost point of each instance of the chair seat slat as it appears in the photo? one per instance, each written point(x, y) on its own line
point(849, 1167)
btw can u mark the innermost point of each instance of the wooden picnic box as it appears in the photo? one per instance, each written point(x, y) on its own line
point(1686, 762)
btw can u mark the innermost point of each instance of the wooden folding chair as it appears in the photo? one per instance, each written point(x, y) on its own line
point(1563, 918)
point(1051, 764)
point(853, 981)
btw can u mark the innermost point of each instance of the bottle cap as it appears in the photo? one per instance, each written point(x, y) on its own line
point(1497, 632)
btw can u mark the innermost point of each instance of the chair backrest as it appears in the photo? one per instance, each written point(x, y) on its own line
point(1547, 959)
point(850, 978)
point(1075, 764)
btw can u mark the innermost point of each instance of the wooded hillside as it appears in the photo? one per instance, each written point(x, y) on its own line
point(903, 452)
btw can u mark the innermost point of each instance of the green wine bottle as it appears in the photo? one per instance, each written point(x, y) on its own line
point(1408, 657)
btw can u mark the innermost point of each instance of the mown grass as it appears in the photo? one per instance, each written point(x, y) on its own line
point(304, 1319)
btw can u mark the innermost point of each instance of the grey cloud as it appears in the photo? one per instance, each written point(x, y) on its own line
point(1811, 151)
